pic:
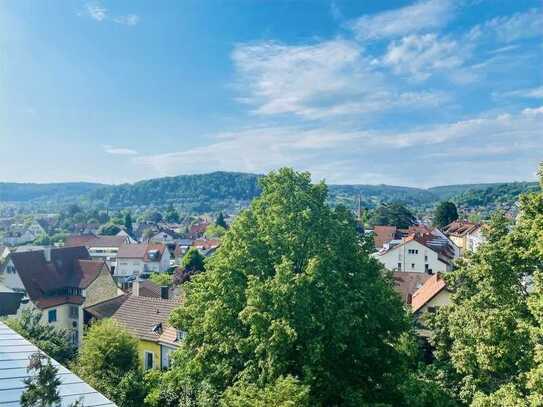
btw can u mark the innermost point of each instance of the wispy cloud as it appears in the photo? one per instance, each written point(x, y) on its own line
point(512, 28)
point(98, 12)
point(421, 16)
point(119, 151)
point(355, 154)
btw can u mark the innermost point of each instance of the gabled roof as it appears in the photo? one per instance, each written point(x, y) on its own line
point(15, 352)
point(206, 244)
point(432, 287)
point(141, 251)
point(90, 240)
point(105, 309)
point(407, 283)
point(460, 228)
point(141, 314)
point(69, 267)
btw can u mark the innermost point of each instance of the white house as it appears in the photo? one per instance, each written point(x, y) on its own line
point(143, 258)
point(419, 253)
point(99, 247)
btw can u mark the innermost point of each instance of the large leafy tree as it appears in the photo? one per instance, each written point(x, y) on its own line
point(488, 342)
point(445, 213)
point(108, 361)
point(55, 342)
point(393, 214)
point(193, 260)
point(291, 302)
point(42, 383)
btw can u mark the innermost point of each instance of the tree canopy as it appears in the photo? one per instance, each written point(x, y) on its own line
point(394, 214)
point(193, 260)
point(291, 303)
point(445, 213)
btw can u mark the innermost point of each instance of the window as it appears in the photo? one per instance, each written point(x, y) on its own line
point(74, 312)
point(425, 258)
point(426, 268)
point(412, 265)
point(399, 266)
point(52, 315)
point(413, 251)
point(149, 360)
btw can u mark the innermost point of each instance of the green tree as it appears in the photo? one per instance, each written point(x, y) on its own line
point(172, 216)
point(161, 278)
point(220, 221)
point(193, 260)
point(393, 214)
point(42, 384)
point(291, 300)
point(128, 223)
point(53, 341)
point(445, 213)
point(42, 240)
point(488, 342)
point(108, 361)
point(214, 231)
point(109, 229)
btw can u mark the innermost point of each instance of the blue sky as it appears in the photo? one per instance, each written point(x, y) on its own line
point(408, 93)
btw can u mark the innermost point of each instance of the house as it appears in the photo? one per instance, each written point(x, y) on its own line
point(466, 235)
point(99, 247)
point(433, 294)
point(406, 284)
point(418, 252)
point(143, 258)
point(146, 288)
point(15, 353)
point(59, 282)
point(384, 234)
point(206, 247)
point(165, 236)
point(147, 319)
point(197, 230)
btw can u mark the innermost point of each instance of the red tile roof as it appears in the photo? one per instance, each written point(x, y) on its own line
point(383, 235)
point(90, 240)
point(460, 228)
point(206, 243)
point(407, 283)
point(141, 251)
point(429, 290)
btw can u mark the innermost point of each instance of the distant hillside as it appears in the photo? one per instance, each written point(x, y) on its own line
point(15, 192)
point(230, 191)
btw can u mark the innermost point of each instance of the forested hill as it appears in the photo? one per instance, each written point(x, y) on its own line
point(230, 191)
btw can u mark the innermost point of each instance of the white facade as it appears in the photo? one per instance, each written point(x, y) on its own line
point(127, 267)
point(162, 237)
point(412, 256)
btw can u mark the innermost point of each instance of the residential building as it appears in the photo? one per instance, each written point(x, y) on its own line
point(466, 235)
point(406, 284)
point(206, 247)
point(433, 294)
point(15, 353)
point(99, 247)
point(58, 282)
point(384, 234)
point(137, 259)
point(419, 253)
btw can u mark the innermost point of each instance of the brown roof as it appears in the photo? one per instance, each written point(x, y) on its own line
point(460, 228)
point(90, 240)
point(149, 289)
point(141, 314)
point(169, 336)
point(107, 308)
point(206, 243)
point(429, 290)
point(383, 235)
point(140, 251)
point(90, 269)
point(407, 283)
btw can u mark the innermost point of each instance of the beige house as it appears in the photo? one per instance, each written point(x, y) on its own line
point(433, 295)
point(466, 235)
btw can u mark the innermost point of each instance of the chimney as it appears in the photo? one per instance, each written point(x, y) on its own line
point(409, 299)
point(164, 292)
point(47, 253)
point(136, 287)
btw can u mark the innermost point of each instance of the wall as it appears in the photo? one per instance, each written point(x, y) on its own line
point(128, 267)
point(400, 254)
point(166, 354)
point(101, 289)
point(148, 346)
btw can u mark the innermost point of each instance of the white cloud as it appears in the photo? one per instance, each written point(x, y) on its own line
point(421, 55)
point(96, 11)
point(119, 151)
point(530, 93)
point(129, 19)
point(508, 29)
point(421, 16)
point(354, 155)
point(317, 81)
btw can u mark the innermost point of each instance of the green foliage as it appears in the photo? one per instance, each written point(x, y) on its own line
point(53, 341)
point(393, 214)
point(284, 392)
point(290, 302)
point(161, 279)
point(488, 341)
point(193, 260)
point(444, 214)
point(172, 216)
point(108, 361)
point(109, 229)
point(214, 231)
point(128, 223)
point(42, 240)
point(42, 384)
point(220, 221)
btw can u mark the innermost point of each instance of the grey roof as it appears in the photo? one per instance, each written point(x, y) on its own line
point(14, 357)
